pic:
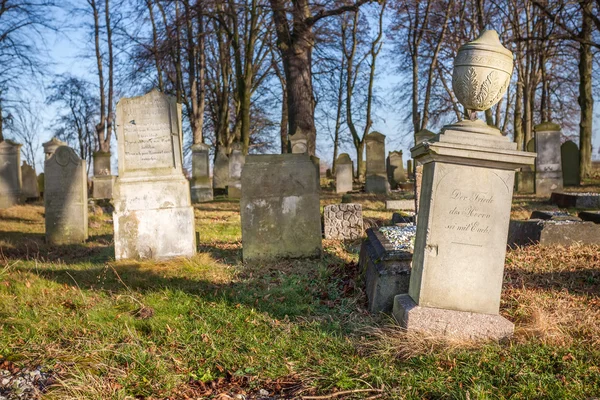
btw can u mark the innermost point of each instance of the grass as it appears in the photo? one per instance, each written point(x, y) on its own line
point(212, 326)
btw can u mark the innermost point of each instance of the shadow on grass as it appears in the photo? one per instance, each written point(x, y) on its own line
point(289, 288)
point(582, 282)
point(33, 246)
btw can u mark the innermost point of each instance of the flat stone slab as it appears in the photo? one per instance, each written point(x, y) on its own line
point(576, 200)
point(386, 270)
point(553, 216)
point(343, 221)
point(524, 233)
point(449, 323)
point(590, 216)
point(408, 205)
point(398, 218)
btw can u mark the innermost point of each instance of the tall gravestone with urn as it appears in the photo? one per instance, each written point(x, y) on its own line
point(464, 209)
point(153, 215)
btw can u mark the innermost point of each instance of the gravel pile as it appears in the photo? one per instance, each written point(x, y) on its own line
point(401, 237)
point(23, 383)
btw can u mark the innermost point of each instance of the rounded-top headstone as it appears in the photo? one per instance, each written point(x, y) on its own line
point(376, 136)
point(344, 158)
point(547, 127)
point(51, 146)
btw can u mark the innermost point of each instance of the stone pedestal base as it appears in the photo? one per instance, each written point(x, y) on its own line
point(153, 218)
point(201, 194)
point(102, 186)
point(449, 323)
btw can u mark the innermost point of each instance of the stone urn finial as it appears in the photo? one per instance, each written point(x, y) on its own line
point(482, 71)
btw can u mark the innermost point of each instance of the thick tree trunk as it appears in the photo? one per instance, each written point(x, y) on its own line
point(518, 117)
point(1, 123)
point(361, 168)
point(105, 145)
point(157, 65)
point(101, 126)
point(585, 99)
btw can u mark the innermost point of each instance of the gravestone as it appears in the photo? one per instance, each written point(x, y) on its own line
point(30, 185)
point(576, 200)
point(153, 216)
point(10, 173)
point(344, 173)
point(422, 136)
point(221, 172)
point(395, 168)
point(343, 221)
point(385, 266)
point(237, 159)
point(65, 197)
point(553, 232)
point(200, 185)
point(409, 169)
point(102, 181)
point(548, 170)
point(298, 143)
point(280, 207)
point(408, 204)
point(51, 146)
point(569, 156)
point(592, 216)
point(464, 209)
point(41, 182)
point(526, 176)
point(376, 180)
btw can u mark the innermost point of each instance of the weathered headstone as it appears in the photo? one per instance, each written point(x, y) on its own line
point(422, 136)
point(236, 165)
point(464, 209)
point(220, 172)
point(280, 207)
point(343, 221)
point(548, 170)
point(569, 156)
point(30, 185)
point(386, 266)
point(10, 174)
point(344, 171)
point(526, 176)
point(41, 181)
point(552, 232)
point(299, 143)
point(103, 181)
point(153, 215)
point(51, 146)
point(395, 168)
point(576, 200)
point(65, 197)
point(200, 184)
point(376, 180)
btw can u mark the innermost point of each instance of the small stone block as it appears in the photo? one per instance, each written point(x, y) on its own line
point(400, 205)
point(590, 216)
point(553, 216)
point(548, 233)
point(576, 200)
point(449, 323)
point(343, 221)
point(386, 271)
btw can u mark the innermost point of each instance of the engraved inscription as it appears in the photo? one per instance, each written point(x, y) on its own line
point(469, 217)
point(148, 142)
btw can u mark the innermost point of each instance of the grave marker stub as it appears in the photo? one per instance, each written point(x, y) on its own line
point(10, 173)
point(153, 216)
point(548, 170)
point(395, 167)
point(236, 164)
point(376, 180)
point(344, 170)
point(569, 155)
point(200, 184)
point(30, 185)
point(65, 197)
point(221, 171)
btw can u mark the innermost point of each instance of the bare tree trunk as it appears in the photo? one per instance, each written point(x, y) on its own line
point(585, 99)
point(100, 127)
point(105, 146)
point(518, 117)
point(338, 116)
point(1, 123)
point(157, 65)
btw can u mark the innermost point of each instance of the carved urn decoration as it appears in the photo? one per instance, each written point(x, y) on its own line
point(482, 71)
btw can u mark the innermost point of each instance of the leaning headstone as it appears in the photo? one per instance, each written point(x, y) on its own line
point(548, 170)
point(395, 168)
point(376, 180)
point(220, 172)
point(10, 174)
point(344, 170)
point(153, 215)
point(569, 156)
point(30, 189)
point(343, 221)
point(103, 181)
point(51, 146)
point(65, 197)
point(280, 207)
point(464, 210)
point(200, 184)
point(237, 159)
